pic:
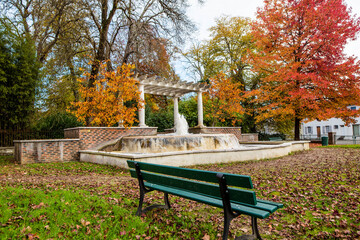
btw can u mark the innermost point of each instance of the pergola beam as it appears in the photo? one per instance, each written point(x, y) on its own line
point(164, 87)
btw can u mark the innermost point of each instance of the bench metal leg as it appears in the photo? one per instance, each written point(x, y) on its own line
point(230, 215)
point(227, 220)
point(167, 203)
point(141, 211)
point(255, 229)
point(141, 200)
point(143, 191)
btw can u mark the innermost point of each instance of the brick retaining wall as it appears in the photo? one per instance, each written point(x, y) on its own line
point(80, 138)
point(39, 151)
point(92, 137)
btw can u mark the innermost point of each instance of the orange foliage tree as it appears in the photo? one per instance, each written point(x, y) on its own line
point(222, 102)
point(307, 74)
point(113, 98)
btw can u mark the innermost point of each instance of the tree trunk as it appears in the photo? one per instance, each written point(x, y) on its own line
point(100, 56)
point(73, 77)
point(297, 129)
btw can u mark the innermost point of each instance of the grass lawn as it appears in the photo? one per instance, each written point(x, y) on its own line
point(320, 190)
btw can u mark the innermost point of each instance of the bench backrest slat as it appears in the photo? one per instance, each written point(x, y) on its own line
point(209, 189)
point(241, 181)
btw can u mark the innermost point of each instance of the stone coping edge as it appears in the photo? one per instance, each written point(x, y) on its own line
point(273, 142)
point(108, 128)
point(46, 140)
point(3, 148)
point(151, 155)
point(220, 127)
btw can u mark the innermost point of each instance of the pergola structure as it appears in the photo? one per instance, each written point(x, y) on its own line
point(161, 86)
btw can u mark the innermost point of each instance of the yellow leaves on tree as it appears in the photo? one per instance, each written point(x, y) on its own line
point(223, 100)
point(114, 98)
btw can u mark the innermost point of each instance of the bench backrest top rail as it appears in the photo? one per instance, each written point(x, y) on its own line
point(235, 180)
point(203, 188)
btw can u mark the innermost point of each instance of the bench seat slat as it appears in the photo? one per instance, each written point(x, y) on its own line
point(262, 206)
point(203, 188)
point(251, 211)
point(235, 180)
point(278, 205)
point(259, 205)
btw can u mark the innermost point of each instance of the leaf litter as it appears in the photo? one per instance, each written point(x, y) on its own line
point(320, 190)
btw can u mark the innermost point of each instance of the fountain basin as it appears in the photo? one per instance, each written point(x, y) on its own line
point(262, 150)
point(174, 143)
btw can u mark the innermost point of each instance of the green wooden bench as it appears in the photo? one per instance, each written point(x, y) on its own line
point(275, 138)
point(213, 188)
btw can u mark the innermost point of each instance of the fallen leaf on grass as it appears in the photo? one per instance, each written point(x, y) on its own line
point(206, 237)
point(84, 222)
point(38, 206)
point(27, 229)
point(31, 236)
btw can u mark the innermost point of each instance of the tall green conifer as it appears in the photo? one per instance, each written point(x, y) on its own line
point(19, 74)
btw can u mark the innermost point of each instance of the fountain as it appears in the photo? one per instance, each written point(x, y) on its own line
point(180, 140)
point(175, 143)
point(182, 148)
point(181, 126)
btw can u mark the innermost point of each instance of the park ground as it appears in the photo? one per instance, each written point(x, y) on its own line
point(320, 190)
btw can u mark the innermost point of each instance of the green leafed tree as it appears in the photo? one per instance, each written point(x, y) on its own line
point(19, 74)
point(228, 51)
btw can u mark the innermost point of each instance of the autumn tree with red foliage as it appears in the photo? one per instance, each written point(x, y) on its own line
point(114, 97)
point(307, 74)
point(223, 100)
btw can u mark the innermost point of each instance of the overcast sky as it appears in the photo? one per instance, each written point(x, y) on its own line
point(204, 15)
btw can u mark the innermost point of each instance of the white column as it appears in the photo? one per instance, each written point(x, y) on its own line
point(200, 110)
point(176, 110)
point(142, 110)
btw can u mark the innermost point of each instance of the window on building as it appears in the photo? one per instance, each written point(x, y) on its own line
point(342, 125)
point(327, 129)
point(353, 108)
point(336, 126)
point(309, 130)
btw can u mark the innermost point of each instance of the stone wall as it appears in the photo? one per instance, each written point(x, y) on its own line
point(249, 137)
point(92, 137)
point(39, 151)
point(217, 130)
point(225, 130)
point(6, 151)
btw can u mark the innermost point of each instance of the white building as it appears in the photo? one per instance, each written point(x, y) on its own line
point(316, 129)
